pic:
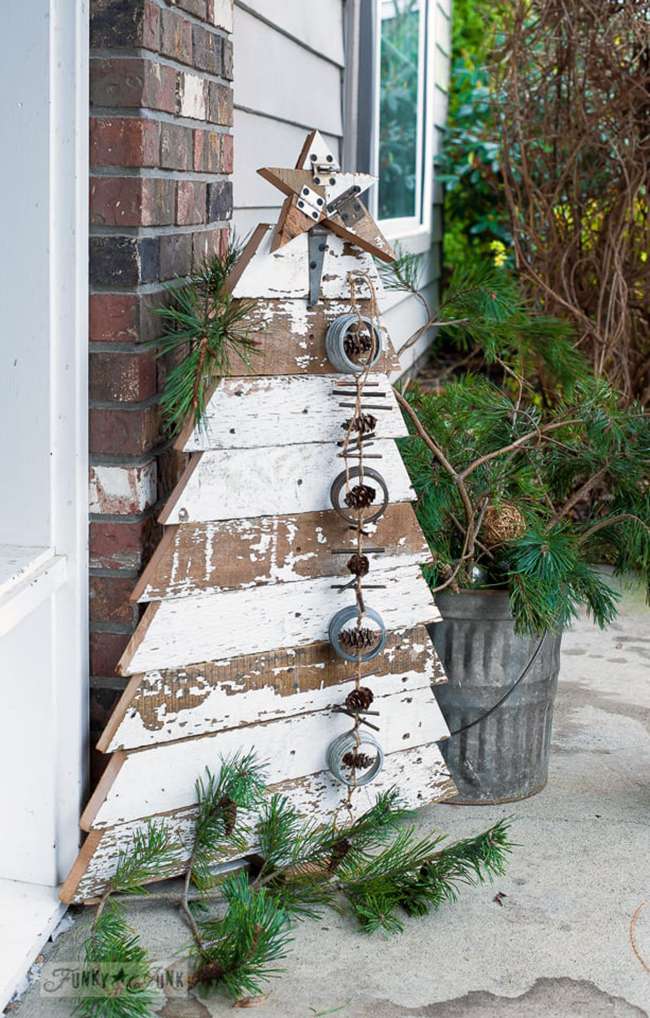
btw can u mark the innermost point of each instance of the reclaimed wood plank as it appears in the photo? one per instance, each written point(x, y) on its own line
point(162, 778)
point(227, 484)
point(208, 626)
point(291, 337)
point(245, 413)
point(195, 558)
point(285, 273)
point(420, 774)
point(170, 704)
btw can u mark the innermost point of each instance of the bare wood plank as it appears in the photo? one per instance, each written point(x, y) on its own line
point(189, 630)
point(420, 774)
point(244, 413)
point(291, 337)
point(230, 484)
point(195, 558)
point(162, 778)
point(170, 704)
point(285, 273)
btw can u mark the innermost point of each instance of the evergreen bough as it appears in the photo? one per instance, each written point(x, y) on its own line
point(243, 925)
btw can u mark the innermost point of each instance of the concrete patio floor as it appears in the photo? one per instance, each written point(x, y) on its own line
point(559, 946)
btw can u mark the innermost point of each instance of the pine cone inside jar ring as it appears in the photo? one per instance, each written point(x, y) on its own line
point(371, 479)
point(347, 743)
point(352, 344)
point(339, 622)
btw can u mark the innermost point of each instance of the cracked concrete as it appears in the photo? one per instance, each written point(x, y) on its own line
point(559, 945)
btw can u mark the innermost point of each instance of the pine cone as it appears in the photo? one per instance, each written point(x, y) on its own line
point(358, 564)
point(360, 496)
point(358, 344)
point(364, 424)
point(209, 972)
point(339, 851)
point(359, 761)
point(359, 699)
point(359, 638)
point(229, 809)
point(502, 523)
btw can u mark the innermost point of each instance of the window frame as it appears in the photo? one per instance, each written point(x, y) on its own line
point(413, 232)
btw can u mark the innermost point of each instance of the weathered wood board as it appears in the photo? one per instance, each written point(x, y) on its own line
point(208, 626)
point(285, 272)
point(194, 558)
point(166, 705)
point(150, 781)
point(227, 484)
point(419, 774)
point(290, 337)
point(243, 413)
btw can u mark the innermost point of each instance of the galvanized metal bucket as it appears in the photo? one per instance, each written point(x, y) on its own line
point(505, 757)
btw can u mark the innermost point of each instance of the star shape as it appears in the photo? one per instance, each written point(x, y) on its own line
point(318, 192)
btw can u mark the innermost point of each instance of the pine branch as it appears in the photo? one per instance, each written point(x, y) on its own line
point(117, 969)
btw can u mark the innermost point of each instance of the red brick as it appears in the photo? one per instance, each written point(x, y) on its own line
point(128, 141)
point(197, 7)
point(207, 244)
point(106, 649)
point(151, 27)
point(132, 201)
point(123, 432)
point(190, 202)
point(175, 147)
point(227, 146)
point(127, 377)
point(134, 82)
point(118, 490)
point(175, 255)
point(176, 39)
point(208, 149)
point(113, 317)
point(220, 103)
point(124, 24)
point(117, 545)
point(109, 599)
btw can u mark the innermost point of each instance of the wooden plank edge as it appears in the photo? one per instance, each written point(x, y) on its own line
point(100, 793)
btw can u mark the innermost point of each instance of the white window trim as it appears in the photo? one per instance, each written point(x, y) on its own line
point(413, 232)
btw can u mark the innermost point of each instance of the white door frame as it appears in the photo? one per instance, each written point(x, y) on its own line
point(43, 421)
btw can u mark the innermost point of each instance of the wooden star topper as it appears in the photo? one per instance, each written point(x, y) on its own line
point(318, 192)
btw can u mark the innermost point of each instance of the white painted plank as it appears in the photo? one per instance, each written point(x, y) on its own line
point(164, 706)
point(209, 626)
point(244, 413)
point(262, 141)
point(420, 774)
point(277, 76)
point(320, 29)
point(163, 778)
point(285, 272)
point(229, 484)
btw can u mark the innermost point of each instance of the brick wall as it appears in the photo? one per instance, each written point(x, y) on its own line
point(161, 153)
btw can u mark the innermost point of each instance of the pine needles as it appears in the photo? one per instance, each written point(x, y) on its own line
point(567, 485)
point(206, 327)
point(376, 867)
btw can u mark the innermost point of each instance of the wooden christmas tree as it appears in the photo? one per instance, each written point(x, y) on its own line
point(295, 505)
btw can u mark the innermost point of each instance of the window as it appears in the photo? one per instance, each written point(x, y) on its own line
point(400, 90)
point(394, 106)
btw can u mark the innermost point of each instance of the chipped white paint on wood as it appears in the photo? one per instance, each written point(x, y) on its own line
point(163, 778)
point(208, 626)
point(164, 707)
point(420, 774)
point(285, 273)
point(244, 413)
point(195, 558)
point(230, 484)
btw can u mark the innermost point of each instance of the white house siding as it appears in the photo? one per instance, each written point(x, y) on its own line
point(289, 78)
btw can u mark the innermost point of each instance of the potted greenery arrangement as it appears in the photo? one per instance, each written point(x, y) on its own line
point(527, 475)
